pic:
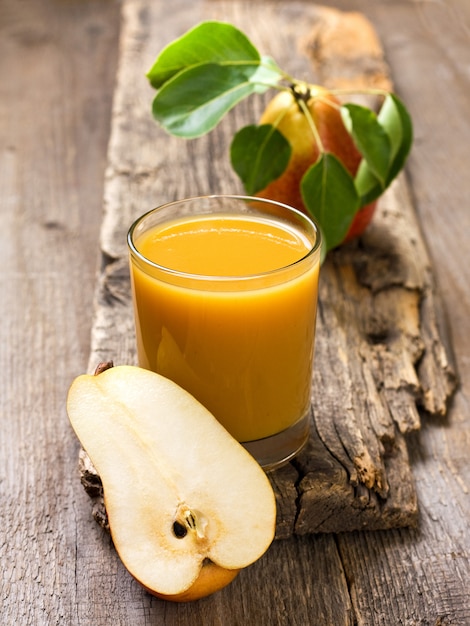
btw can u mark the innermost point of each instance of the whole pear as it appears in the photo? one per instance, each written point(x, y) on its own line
point(284, 112)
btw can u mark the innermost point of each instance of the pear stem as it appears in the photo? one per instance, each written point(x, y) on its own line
point(302, 95)
point(102, 367)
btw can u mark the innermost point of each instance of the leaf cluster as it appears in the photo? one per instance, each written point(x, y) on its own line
point(202, 75)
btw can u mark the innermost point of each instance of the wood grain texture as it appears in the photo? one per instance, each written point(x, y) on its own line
point(372, 331)
point(54, 120)
point(57, 67)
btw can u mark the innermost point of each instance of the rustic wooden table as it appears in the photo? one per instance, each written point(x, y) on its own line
point(58, 63)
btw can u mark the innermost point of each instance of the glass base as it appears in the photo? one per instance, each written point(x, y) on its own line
point(272, 452)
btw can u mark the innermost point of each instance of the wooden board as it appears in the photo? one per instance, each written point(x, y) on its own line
point(382, 360)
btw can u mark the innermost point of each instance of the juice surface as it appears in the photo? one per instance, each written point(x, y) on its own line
point(243, 351)
point(224, 246)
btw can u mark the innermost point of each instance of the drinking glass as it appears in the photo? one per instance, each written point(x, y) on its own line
point(225, 297)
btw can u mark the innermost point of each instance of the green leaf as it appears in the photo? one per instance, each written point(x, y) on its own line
point(370, 138)
point(368, 187)
point(194, 101)
point(398, 125)
point(330, 196)
point(208, 42)
point(267, 75)
point(259, 155)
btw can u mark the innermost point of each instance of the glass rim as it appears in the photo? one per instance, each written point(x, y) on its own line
point(210, 277)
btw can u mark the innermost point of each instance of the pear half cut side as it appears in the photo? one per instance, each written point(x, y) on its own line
point(188, 507)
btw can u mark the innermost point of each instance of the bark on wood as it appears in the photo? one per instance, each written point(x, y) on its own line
point(381, 359)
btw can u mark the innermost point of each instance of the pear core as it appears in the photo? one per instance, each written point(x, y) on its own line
point(188, 507)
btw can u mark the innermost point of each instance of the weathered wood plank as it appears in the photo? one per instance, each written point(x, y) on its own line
point(374, 337)
point(57, 566)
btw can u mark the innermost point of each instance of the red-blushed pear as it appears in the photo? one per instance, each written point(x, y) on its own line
point(188, 507)
point(284, 112)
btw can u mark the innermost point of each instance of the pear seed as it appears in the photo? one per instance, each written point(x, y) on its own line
point(179, 530)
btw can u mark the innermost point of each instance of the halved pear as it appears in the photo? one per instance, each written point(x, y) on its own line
point(188, 507)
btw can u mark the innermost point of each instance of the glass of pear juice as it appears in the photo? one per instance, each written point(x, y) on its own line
point(225, 295)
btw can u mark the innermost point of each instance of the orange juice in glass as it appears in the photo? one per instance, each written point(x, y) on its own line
point(225, 297)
